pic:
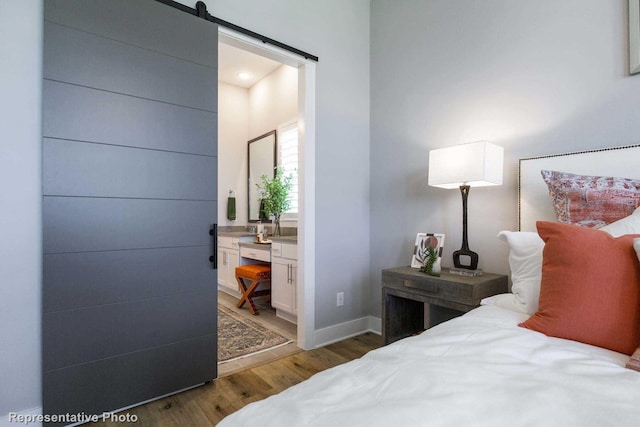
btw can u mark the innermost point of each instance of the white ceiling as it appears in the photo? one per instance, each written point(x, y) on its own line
point(232, 60)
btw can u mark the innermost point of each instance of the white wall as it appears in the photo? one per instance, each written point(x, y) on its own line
point(273, 101)
point(535, 77)
point(233, 134)
point(21, 195)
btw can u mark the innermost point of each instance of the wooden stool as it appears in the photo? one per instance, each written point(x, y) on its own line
point(257, 273)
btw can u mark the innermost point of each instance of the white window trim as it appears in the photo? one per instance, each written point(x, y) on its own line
point(290, 217)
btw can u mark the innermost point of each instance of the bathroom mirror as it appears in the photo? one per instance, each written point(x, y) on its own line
point(262, 161)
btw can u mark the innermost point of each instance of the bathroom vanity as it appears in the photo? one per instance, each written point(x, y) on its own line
point(239, 248)
point(284, 271)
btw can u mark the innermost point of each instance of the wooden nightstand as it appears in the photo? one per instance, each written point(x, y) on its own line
point(405, 290)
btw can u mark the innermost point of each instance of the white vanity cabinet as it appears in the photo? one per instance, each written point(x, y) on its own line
point(251, 252)
point(284, 269)
point(228, 260)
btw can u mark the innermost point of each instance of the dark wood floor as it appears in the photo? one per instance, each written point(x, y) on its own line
point(208, 404)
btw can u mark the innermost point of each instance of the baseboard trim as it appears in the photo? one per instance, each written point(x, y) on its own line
point(342, 331)
point(5, 420)
point(375, 325)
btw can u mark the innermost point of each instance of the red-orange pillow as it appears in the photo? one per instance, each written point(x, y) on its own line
point(590, 290)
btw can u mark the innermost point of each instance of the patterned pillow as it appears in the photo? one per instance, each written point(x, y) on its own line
point(591, 201)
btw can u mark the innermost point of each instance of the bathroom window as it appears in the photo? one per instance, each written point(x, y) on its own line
point(288, 160)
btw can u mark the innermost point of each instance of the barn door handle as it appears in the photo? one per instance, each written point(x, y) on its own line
point(213, 259)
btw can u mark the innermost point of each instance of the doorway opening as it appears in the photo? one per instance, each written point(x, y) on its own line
point(261, 89)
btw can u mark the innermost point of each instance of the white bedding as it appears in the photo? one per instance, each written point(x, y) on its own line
point(480, 369)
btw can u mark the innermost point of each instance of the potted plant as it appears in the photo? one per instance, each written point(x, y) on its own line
point(275, 196)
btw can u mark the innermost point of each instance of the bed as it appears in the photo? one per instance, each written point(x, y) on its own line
point(493, 366)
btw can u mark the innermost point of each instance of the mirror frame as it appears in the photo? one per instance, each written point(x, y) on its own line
point(257, 179)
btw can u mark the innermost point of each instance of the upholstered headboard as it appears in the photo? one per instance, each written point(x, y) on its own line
point(534, 202)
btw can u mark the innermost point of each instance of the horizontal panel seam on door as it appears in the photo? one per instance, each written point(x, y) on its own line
point(87, 307)
point(129, 198)
point(131, 44)
point(127, 249)
point(157, 297)
point(130, 95)
point(134, 352)
point(128, 146)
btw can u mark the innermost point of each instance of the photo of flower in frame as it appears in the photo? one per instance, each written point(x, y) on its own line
point(427, 250)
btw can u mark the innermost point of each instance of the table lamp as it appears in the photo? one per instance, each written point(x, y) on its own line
point(476, 164)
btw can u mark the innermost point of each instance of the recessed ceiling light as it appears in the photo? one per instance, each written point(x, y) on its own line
point(244, 75)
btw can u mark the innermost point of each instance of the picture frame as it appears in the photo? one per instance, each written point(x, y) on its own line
point(634, 37)
point(436, 240)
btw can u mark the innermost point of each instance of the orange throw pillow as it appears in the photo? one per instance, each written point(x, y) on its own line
point(590, 290)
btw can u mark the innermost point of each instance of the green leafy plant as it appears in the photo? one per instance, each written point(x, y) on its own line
point(275, 195)
point(428, 256)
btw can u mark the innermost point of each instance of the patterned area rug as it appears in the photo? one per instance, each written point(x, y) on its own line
point(239, 337)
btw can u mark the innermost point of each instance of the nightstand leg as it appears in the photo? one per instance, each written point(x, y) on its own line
point(402, 317)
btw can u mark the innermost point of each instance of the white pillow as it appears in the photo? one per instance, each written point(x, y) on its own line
point(507, 301)
point(525, 262)
point(627, 225)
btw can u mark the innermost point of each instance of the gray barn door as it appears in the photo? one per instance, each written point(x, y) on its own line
point(130, 189)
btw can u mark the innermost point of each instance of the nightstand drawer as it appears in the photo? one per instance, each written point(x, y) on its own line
point(450, 290)
point(447, 289)
point(429, 287)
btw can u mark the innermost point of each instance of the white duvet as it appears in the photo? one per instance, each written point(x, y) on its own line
point(480, 369)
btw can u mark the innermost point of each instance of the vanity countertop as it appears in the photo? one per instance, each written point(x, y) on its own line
point(236, 234)
point(285, 239)
point(239, 234)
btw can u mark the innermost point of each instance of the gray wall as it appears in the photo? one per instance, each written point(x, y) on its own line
point(336, 31)
point(21, 196)
point(535, 77)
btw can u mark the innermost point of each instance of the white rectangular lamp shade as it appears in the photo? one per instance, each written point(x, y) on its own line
point(476, 164)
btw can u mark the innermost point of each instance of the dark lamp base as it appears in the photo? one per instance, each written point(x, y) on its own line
point(473, 263)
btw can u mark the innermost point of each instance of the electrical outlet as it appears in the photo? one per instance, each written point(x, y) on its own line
point(340, 299)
